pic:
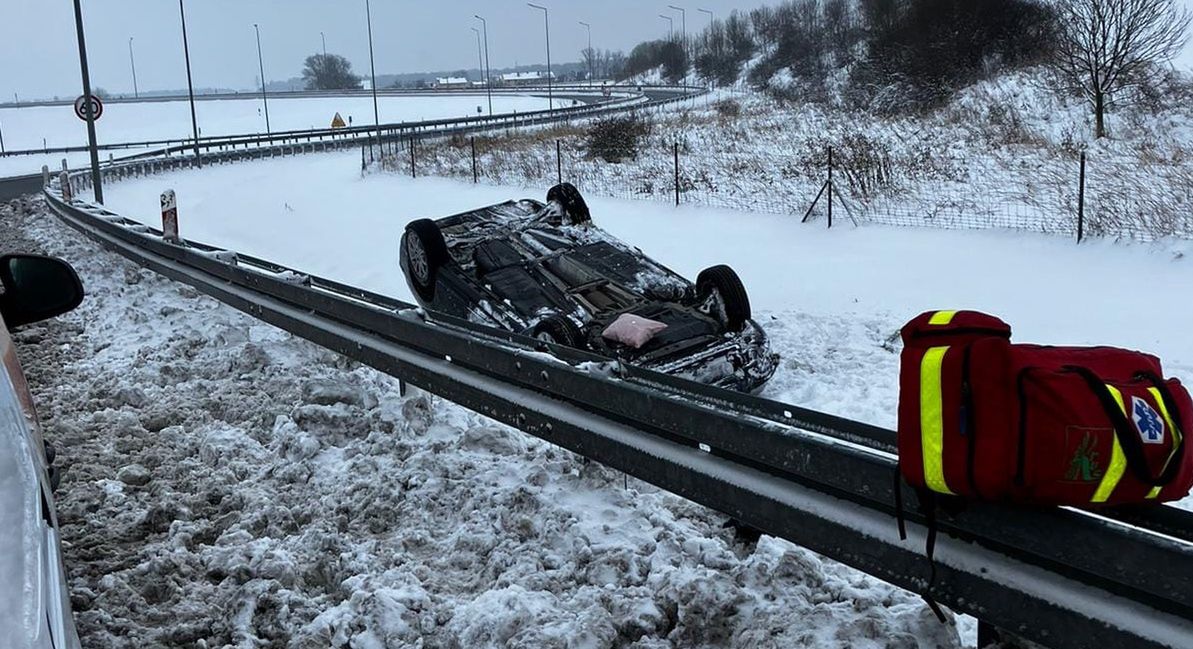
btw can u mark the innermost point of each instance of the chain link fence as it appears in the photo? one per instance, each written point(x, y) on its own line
point(1073, 195)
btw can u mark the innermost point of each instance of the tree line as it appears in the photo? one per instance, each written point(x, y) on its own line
point(895, 56)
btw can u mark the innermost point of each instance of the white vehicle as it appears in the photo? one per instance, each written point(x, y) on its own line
point(34, 604)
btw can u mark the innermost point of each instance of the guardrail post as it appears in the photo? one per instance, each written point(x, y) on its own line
point(558, 162)
point(413, 172)
point(472, 141)
point(1081, 201)
point(170, 217)
point(45, 176)
point(64, 185)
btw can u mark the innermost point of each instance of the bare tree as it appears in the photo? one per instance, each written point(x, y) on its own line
point(1108, 48)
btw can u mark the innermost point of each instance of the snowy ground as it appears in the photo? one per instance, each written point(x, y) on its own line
point(25, 127)
point(1001, 154)
point(830, 299)
point(230, 485)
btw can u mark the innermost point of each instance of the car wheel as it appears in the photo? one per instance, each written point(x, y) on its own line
point(425, 252)
point(571, 201)
point(723, 296)
point(560, 331)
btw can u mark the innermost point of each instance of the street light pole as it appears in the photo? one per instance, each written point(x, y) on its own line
point(488, 78)
point(373, 73)
point(670, 26)
point(547, 26)
point(708, 43)
point(190, 87)
point(591, 54)
point(261, 65)
point(480, 61)
point(324, 39)
point(683, 15)
point(133, 62)
point(95, 178)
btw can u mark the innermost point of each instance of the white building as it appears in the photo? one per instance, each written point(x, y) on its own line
point(451, 82)
point(525, 78)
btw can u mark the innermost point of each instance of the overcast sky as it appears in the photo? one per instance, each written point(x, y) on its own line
point(39, 52)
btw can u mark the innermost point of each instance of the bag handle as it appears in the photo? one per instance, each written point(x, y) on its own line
point(1131, 444)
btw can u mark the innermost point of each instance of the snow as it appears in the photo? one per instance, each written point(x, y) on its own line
point(24, 127)
point(830, 299)
point(295, 499)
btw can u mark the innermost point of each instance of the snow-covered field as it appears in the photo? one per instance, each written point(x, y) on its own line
point(1002, 154)
point(230, 485)
point(25, 127)
point(830, 298)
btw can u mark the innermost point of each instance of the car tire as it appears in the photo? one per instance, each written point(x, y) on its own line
point(722, 294)
point(571, 201)
point(559, 330)
point(425, 253)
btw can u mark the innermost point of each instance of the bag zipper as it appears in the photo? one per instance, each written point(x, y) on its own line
point(1021, 459)
point(1000, 333)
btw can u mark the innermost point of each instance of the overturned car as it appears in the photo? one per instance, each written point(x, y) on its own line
point(545, 271)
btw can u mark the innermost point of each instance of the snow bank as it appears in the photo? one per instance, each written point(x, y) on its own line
point(230, 485)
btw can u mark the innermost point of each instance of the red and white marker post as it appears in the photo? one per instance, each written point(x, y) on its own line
point(64, 185)
point(170, 217)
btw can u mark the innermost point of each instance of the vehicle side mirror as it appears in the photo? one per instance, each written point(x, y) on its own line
point(36, 288)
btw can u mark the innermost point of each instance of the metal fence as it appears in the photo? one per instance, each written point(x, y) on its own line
point(1074, 195)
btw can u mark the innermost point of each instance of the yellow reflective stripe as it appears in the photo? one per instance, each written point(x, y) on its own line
point(1118, 461)
point(942, 317)
point(1176, 436)
point(932, 419)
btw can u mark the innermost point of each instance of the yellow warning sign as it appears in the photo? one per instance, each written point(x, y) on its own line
point(337, 121)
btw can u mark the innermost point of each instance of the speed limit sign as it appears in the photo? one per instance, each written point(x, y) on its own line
point(89, 106)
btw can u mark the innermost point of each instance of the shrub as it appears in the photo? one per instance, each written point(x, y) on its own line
point(616, 138)
point(727, 108)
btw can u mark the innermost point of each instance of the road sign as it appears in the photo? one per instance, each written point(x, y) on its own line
point(338, 122)
point(89, 105)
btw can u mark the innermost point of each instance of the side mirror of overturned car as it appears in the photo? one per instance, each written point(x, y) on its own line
point(37, 288)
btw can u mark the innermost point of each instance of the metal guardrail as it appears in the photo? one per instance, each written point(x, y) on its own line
point(1063, 578)
point(241, 147)
point(620, 97)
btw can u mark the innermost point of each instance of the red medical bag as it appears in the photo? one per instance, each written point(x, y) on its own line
point(982, 418)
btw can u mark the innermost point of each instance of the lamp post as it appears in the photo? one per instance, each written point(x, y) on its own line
point(547, 27)
point(324, 39)
point(261, 66)
point(670, 26)
point(95, 178)
point(591, 54)
point(488, 79)
point(373, 72)
point(480, 61)
point(683, 15)
point(190, 87)
point(133, 62)
point(709, 44)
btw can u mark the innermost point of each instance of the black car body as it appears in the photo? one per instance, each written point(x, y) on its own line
point(545, 271)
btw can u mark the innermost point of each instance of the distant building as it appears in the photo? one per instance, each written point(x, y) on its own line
point(451, 82)
point(532, 78)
